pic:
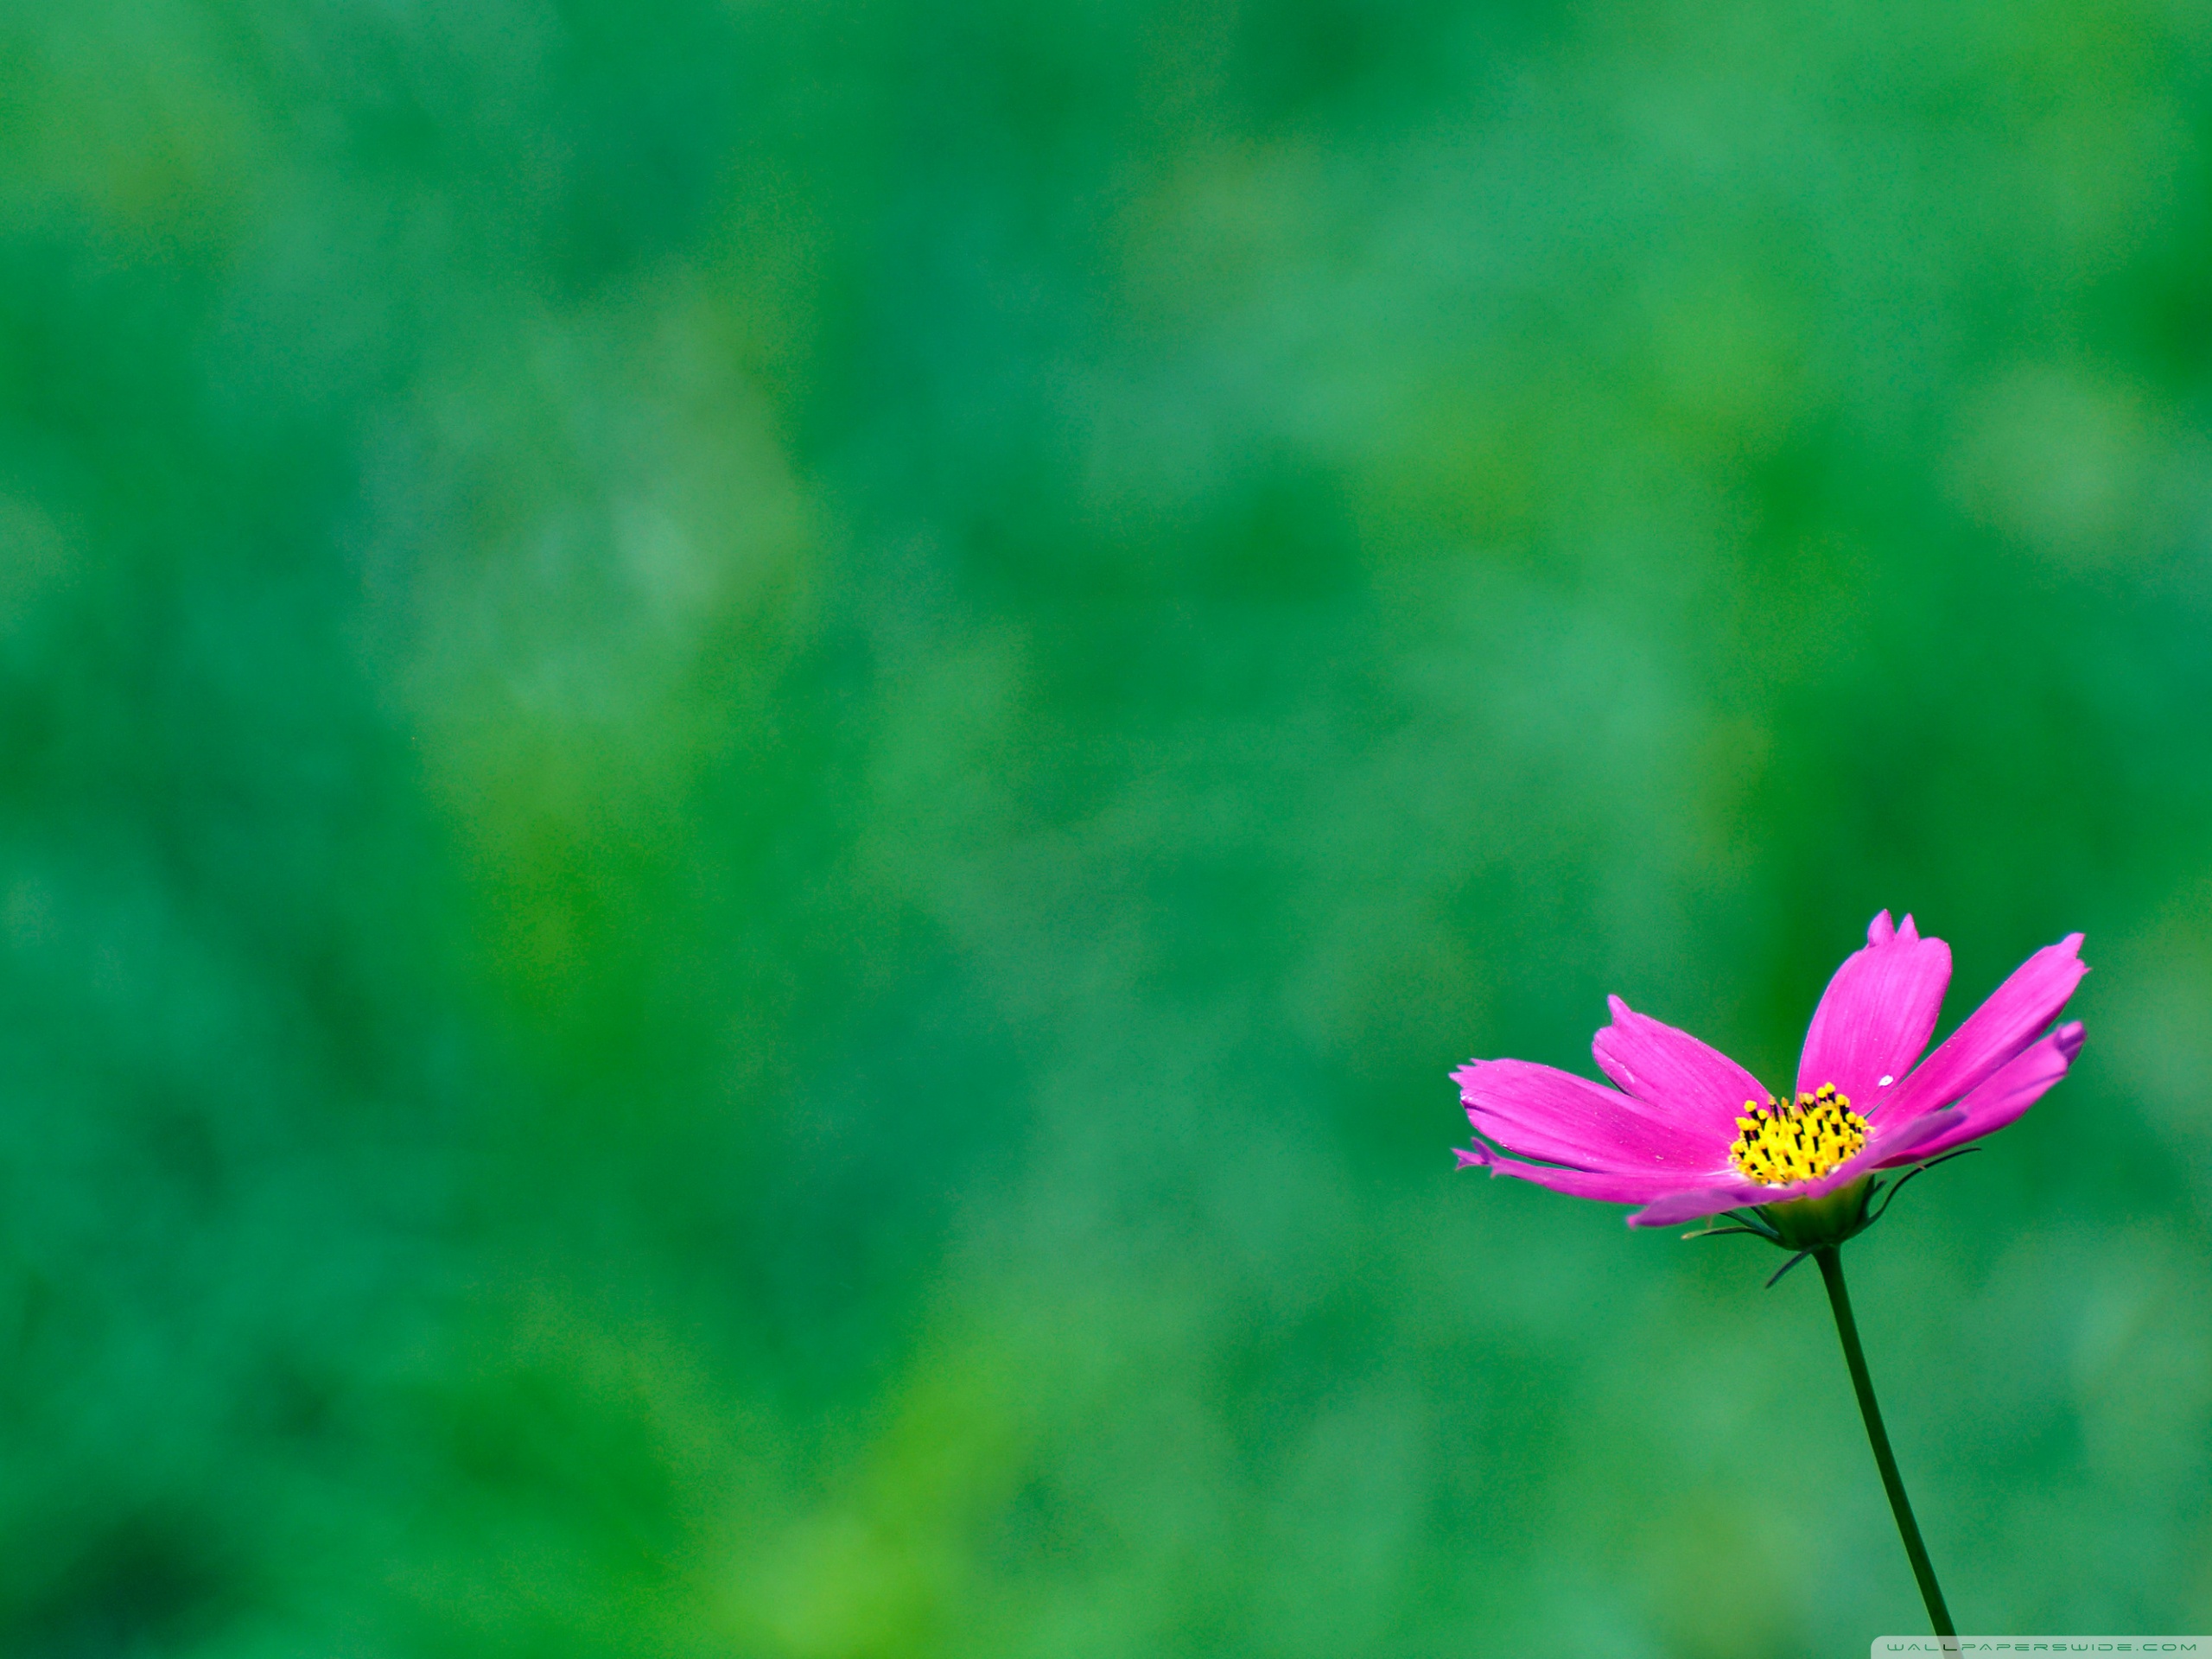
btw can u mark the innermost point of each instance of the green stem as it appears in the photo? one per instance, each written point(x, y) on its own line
point(1831, 1260)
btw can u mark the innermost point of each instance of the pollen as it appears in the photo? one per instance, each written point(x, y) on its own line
point(1780, 1144)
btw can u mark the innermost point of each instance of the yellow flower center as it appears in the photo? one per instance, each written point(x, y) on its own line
point(1782, 1144)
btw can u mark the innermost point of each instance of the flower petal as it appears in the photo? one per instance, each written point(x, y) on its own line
point(1607, 1186)
point(1542, 1112)
point(1691, 1085)
point(2009, 1092)
point(1693, 1203)
point(2016, 1013)
point(1908, 1139)
point(1901, 1140)
point(1877, 1013)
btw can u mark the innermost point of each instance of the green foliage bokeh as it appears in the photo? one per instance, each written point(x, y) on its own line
point(759, 759)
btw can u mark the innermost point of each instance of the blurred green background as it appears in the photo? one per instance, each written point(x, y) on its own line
point(759, 760)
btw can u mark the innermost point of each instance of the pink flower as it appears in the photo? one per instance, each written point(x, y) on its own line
point(1689, 1132)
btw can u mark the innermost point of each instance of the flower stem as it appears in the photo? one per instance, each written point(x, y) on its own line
point(1831, 1260)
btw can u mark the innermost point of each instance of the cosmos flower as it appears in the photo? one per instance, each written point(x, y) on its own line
point(1689, 1132)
